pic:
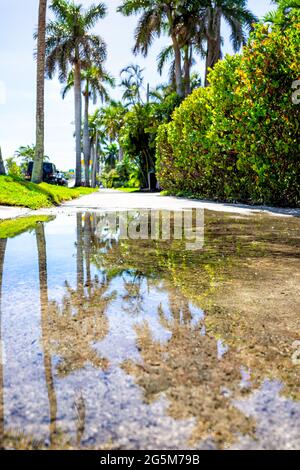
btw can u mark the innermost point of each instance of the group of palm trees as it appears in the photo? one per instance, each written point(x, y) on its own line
point(194, 26)
point(67, 45)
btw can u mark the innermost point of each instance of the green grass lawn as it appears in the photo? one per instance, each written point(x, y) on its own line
point(17, 192)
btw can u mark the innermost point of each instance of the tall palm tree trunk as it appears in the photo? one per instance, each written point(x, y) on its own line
point(37, 171)
point(43, 277)
point(95, 161)
point(178, 71)
point(2, 167)
point(213, 42)
point(3, 242)
point(121, 153)
point(86, 137)
point(187, 70)
point(77, 98)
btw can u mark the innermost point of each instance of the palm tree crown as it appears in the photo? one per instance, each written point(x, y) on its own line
point(132, 83)
point(95, 81)
point(157, 17)
point(69, 41)
point(191, 24)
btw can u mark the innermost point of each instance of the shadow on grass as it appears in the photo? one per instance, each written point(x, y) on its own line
point(37, 189)
point(15, 191)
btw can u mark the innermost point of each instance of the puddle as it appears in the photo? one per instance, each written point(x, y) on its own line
point(128, 344)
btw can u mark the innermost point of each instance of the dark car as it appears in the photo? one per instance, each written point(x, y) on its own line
point(60, 179)
point(50, 174)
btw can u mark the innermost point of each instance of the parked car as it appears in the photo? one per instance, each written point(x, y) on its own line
point(50, 174)
point(60, 179)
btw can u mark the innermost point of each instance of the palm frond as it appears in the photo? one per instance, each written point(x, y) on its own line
point(69, 85)
point(93, 14)
point(149, 27)
point(163, 57)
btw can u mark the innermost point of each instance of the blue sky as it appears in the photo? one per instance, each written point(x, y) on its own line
point(18, 20)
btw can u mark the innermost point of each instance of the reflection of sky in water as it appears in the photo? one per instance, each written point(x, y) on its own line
point(277, 418)
point(24, 379)
point(120, 343)
point(222, 348)
point(114, 405)
point(115, 409)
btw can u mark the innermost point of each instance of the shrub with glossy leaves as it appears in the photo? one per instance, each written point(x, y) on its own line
point(239, 138)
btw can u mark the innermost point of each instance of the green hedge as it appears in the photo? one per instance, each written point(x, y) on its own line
point(238, 139)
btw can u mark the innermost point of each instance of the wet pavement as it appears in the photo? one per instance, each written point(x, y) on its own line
point(129, 343)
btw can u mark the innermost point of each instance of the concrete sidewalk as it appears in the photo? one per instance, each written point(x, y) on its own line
point(110, 199)
point(8, 212)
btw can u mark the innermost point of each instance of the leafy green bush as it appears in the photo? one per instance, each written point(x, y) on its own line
point(110, 179)
point(13, 168)
point(238, 139)
point(126, 174)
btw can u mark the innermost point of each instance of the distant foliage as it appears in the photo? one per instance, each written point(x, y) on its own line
point(239, 138)
point(13, 169)
point(140, 126)
point(126, 174)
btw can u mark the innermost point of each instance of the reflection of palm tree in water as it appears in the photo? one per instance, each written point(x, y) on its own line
point(42, 263)
point(79, 257)
point(42, 260)
point(87, 246)
point(80, 320)
point(79, 406)
point(76, 325)
point(133, 298)
point(71, 328)
point(186, 369)
point(3, 242)
point(179, 307)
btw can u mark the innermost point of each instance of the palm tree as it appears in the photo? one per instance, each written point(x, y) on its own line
point(167, 56)
point(111, 152)
point(26, 152)
point(97, 138)
point(157, 16)
point(71, 45)
point(238, 17)
point(280, 15)
point(132, 82)
point(37, 171)
point(112, 118)
point(2, 167)
point(95, 80)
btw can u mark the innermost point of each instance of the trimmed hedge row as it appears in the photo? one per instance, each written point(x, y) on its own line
point(238, 139)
